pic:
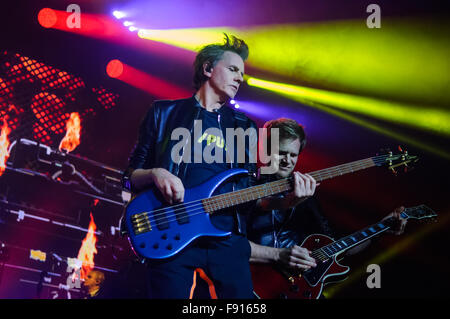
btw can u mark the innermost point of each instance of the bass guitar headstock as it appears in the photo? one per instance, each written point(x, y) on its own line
point(394, 161)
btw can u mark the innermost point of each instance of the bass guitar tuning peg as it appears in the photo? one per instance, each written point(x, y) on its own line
point(394, 171)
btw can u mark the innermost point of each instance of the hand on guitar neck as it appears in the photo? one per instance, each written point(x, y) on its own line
point(303, 187)
point(299, 258)
point(271, 282)
point(398, 222)
point(397, 227)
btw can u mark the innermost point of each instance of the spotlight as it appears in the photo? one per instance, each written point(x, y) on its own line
point(144, 81)
point(127, 23)
point(47, 17)
point(132, 28)
point(232, 102)
point(114, 68)
point(119, 14)
point(236, 106)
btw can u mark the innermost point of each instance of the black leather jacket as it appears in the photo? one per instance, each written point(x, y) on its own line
point(282, 229)
point(154, 145)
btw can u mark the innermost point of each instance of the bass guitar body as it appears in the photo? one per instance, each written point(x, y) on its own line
point(158, 231)
point(270, 282)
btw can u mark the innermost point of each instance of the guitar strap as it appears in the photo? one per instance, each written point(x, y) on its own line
point(240, 120)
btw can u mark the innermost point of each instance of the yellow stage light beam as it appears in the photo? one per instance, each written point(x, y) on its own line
point(426, 118)
point(390, 253)
point(406, 59)
point(189, 39)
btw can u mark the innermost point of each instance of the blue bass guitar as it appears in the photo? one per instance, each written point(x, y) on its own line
point(158, 231)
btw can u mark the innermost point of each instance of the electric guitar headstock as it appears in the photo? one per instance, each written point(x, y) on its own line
point(419, 212)
point(395, 161)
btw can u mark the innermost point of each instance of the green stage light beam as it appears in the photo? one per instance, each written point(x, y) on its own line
point(426, 118)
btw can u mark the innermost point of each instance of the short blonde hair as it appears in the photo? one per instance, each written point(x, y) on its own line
point(287, 129)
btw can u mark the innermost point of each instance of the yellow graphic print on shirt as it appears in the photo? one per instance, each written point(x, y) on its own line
point(210, 138)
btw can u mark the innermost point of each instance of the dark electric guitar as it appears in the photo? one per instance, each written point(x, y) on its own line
point(157, 231)
point(272, 283)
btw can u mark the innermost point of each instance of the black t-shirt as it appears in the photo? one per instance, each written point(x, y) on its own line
point(208, 158)
point(208, 155)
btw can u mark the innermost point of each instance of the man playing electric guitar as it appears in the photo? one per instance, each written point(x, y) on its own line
point(275, 232)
